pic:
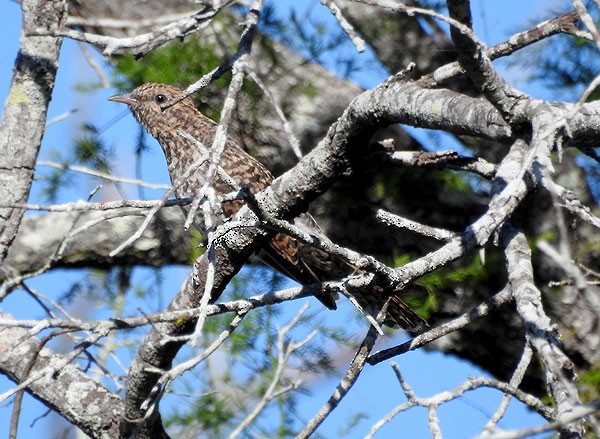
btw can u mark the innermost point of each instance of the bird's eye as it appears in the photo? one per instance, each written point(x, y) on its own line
point(160, 99)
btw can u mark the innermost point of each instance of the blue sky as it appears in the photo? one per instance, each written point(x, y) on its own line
point(377, 392)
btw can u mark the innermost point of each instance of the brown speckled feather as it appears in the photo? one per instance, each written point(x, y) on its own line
point(301, 262)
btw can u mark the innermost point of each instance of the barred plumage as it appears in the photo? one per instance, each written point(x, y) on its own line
point(301, 262)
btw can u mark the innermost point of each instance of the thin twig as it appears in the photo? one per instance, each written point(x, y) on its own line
point(57, 255)
point(577, 414)
point(480, 310)
point(358, 42)
point(157, 206)
point(570, 202)
point(515, 382)
point(60, 118)
point(237, 306)
point(143, 43)
point(292, 139)
point(83, 206)
point(94, 65)
point(207, 194)
point(101, 175)
point(346, 383)
point(433, 402)
point(284, 352)
point(563, 24)
point(422, 229)
point(115, 23)
point(170, 375)
point(444, 159)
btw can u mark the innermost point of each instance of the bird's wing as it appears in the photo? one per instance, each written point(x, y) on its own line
point(283, 254)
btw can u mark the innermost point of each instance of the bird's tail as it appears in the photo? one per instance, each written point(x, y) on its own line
point(398, 313)
point(307, 264)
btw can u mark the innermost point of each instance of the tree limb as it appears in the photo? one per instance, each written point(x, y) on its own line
point(26, 106)
point(63, 387)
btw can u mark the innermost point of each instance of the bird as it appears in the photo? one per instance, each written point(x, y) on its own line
point(152, 106)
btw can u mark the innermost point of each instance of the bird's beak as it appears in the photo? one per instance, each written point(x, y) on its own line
point(124, 98)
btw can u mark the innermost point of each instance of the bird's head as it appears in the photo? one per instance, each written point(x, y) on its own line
point(149, 103)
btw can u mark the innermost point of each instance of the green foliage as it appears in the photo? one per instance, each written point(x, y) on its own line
point(56, 179)
point(441, 184)
point(589, 384)
point(88, 150)
point(348, 429)
point(433, 284)
point(198, 247)
point(210, 414)
point(455, 181)
point(177, 63)
point(248, 362)
point(448, 276)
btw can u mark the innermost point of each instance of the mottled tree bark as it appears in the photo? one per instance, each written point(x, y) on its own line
point(24, 114)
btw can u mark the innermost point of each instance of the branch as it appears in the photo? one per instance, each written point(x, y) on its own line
point(27, 106)
point(515, 382)
point(151, 402)
point(284, 352)
point(570, 202)
point(578, 414)
point(207, 194)
point(56, 255)
point(164, 242)
point(358, 42)
point(241, 306)
point(559, 370)
point(444, 160)
point(101, 175)
point(562, 24)
point(467, 318)
point(142, 44)
point(346, 383)
point(61, 385)
point(292, 139)
point(433, 402)
point(587, 20)
point(473, 58)
point(402, 223)
point(514, 180)
point(127, 24)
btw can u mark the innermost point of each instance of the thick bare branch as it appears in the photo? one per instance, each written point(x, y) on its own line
point(24, 114)
point(559, 370)
point(473, 58)
point(62, 386)
point(164, 242)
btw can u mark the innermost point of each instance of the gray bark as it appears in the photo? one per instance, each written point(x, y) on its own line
point(58, 384)
point(24, 114)
point(346, 127)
